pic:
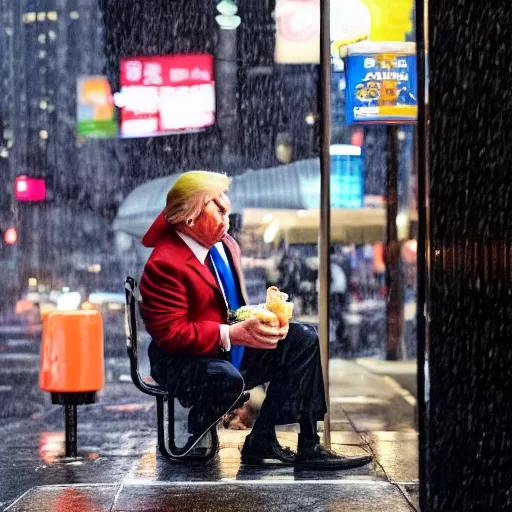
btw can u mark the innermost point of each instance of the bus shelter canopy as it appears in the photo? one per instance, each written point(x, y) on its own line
point(288, 195)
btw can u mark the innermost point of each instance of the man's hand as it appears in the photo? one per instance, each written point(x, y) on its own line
point(255, 334)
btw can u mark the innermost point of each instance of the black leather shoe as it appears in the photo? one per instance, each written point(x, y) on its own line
point(261, 452)
point(312, 455)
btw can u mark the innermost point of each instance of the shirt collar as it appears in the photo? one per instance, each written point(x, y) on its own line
point(200, 252)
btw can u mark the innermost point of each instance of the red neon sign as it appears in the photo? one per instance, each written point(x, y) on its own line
point(166, 94)
point(29, 189)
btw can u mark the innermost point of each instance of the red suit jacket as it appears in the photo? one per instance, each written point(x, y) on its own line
point(182, 305)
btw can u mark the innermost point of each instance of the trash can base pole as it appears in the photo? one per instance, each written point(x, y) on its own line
point(79, 398)
point(71, 429)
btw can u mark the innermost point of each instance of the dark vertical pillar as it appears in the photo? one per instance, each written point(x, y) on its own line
point(394, 282)
point(467, 436)
point(226, 96)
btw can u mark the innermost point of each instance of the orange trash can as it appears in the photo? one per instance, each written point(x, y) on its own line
point(72, 365)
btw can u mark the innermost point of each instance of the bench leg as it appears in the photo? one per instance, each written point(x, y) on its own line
point(165, 435)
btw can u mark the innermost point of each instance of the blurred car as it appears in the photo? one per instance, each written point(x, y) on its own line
point(20, 334)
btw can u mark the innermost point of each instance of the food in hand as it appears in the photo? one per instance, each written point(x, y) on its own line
point(241, 314)
point(277, 302)
point(276, 312)
point(266, 317)
point(263, 315)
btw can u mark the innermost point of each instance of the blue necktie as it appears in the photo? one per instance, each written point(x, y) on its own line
point(229, 286)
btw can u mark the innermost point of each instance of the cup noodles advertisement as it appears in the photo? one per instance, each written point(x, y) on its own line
point(381, 83)
point(166, 94)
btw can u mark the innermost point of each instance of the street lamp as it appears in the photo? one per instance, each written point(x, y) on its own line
point(227, 19)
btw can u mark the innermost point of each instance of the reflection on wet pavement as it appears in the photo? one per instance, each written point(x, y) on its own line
point(118, 467)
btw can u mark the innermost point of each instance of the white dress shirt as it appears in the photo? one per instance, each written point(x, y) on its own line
point(201, 252)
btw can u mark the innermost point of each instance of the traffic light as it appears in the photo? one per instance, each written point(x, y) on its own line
point(29, 189)
point(10, 236)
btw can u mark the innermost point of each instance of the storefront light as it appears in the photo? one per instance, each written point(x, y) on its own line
point(52, 15)
point(29, 17)
point(401, 225)
point(311, 119)
point(41, 16)
point(271, 232)
point(345, 150)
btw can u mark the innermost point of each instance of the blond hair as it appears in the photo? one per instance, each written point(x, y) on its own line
point(190, 193)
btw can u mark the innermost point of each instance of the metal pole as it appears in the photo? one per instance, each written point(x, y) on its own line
point(324, 273)
point(394, 281)
point(70, 422)
point(423, 258)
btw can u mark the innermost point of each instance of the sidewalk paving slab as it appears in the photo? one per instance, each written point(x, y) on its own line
point(119, 460)
point(240, 496)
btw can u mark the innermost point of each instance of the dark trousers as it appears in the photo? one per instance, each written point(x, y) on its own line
point(210, 386)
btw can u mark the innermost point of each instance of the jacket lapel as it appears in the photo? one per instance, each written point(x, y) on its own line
point(203, 271)
point(234, 251)
point(183, 250)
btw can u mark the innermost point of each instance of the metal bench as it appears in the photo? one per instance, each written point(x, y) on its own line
point(164, 402)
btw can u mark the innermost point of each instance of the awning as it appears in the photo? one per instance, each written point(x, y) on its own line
point(290, 193)
point(348, 225)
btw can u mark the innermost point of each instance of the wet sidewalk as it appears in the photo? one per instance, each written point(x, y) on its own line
point(118, 468)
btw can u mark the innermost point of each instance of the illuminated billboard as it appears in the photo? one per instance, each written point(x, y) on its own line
point(95, 108)
point(29, 189)
point(166, 94)
point(381, 83)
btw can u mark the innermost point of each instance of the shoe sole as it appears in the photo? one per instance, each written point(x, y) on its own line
point(249, 461)
point(345, 465)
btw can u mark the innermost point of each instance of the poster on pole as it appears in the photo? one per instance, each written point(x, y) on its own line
point(381, 83)
point(95, 110)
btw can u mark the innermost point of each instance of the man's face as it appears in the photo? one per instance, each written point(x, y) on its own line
point(213, 222)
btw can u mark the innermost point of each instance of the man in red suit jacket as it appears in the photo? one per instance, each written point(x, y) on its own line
point(192, 274)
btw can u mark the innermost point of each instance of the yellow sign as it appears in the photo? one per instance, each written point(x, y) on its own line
point(351, 21)
point(374, 20)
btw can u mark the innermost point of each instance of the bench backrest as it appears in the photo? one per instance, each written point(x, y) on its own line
point(133, 300)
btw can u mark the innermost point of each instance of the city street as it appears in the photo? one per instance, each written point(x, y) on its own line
point(118, 467)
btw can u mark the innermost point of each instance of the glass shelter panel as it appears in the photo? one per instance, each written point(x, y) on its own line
point(104, 105)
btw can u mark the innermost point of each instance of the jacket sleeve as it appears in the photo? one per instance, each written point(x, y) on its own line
point(165, 310)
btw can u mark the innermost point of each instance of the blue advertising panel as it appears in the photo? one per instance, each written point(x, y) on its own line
point(347, 180)
point(381, 88)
